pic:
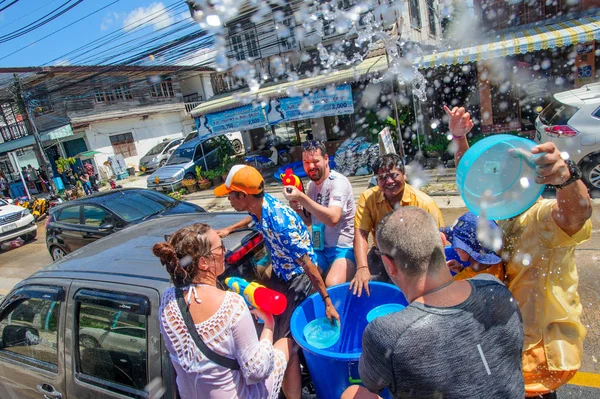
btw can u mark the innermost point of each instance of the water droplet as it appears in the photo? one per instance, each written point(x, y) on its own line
point(524, 182)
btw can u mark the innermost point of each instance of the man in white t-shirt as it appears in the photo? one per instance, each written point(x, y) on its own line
point(328, 206)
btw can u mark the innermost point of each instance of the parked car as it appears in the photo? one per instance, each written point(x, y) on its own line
point(572, 122)
point(237, 143)
point(182, 164)
point(77, 223)
point(111, 287)
point(16, 221)
point(158, 155)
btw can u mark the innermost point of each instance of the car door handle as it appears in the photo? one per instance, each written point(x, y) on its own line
point(87, 234)
point(132, 340)
point(48, 391)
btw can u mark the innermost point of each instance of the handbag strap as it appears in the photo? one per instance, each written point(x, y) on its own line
point(206, 351)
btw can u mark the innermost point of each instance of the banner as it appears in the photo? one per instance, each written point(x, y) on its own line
point(324, 102)
point(233, 120)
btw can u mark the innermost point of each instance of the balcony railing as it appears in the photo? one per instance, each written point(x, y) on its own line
point(13, 131)
point(190, 106)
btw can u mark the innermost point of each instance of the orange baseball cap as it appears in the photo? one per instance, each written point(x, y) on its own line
point(242, 178)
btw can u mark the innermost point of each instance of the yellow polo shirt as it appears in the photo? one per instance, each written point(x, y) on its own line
point(495, 270)
point(372, 207)
point(542, 276)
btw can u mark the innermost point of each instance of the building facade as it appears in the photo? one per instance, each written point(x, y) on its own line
point(278, 62)
point(99, 111)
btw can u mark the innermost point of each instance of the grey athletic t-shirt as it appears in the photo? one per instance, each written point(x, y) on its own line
point(336, 190)
point(472, 350)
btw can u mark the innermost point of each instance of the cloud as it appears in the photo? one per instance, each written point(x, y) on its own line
point(155, 14)
point(109, 19)
point(204, 57)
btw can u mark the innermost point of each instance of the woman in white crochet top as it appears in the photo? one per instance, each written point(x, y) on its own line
point(194, 257)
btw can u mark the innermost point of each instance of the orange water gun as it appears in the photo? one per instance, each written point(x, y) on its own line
point(290, 179)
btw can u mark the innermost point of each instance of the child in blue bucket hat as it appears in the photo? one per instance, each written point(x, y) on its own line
point(475, 250)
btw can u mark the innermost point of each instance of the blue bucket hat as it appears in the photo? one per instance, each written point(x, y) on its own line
point(463, 235)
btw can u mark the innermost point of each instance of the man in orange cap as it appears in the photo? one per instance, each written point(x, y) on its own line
point(292, 255)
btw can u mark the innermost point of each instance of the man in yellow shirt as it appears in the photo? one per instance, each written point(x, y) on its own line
point(539, 253)
point(391, 192)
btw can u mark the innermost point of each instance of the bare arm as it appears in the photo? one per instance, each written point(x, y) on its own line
point(317, 281)
point(245, 222)
point(329, 216)
point(573, 204)
point(363, 275)
point(460, 125)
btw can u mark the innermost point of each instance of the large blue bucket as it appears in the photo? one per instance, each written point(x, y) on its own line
point(336, 368)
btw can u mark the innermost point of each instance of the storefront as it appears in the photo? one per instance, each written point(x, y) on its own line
point(325, 114)
point(520, 70)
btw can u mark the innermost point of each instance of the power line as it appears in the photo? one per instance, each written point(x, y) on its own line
point(5, 7)
point(58, 30)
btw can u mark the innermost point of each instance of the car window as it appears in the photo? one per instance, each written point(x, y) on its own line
point(181, 155)
point(94, 216)
point(31, 330)
point(557, 113)
point(597, 113)
point(135, 206)
point(112, 343)
point(157, 149)
point(70, 215)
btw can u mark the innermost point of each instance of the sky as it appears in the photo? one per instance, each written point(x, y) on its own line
point(39, 47)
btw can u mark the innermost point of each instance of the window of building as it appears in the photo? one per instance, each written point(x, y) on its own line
point(431, 16)
point(162, 89)
point(30, 330)
point(112, 339)
point(245, 44)
point(123, 144)
point(415, 14)
point(112, 94)
point(288, 41)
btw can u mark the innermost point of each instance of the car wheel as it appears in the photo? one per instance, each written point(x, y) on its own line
point(57, 253)
point(89, 342)
point(285, 158)
point(237, 146)
point(162, 163)
point(591, 173)
point(189, 176)
point(29, 237)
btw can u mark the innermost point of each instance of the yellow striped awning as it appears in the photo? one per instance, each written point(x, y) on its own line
point(560, 34)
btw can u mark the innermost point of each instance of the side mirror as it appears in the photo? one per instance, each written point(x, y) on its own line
point(19, 336)
point(106, 227)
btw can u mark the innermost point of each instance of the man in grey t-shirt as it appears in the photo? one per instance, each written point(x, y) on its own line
point(456, 339)
point(328, 206)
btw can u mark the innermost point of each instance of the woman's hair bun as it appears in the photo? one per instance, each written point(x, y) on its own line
point(166, 253)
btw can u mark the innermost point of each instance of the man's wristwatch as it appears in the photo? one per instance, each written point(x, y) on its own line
point(575, 175)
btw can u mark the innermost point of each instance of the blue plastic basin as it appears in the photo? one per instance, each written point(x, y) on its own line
point(335, 368)
point(496, 182)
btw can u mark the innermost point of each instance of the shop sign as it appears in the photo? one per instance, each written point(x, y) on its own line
point(233, 120)
point(324, 102)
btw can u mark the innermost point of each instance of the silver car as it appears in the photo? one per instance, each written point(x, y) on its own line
point(87, 326)
point(572, 122)
point(158, 155)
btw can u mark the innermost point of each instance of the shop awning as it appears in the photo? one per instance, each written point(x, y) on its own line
point(560, 34)
point(16, 144)
point(56, 133)
point(354, 74)
point(87, 154)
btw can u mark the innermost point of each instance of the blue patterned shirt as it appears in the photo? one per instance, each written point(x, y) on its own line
point(286, 237)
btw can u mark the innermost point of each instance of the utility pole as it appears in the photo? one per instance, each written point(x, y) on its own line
point(45, 163)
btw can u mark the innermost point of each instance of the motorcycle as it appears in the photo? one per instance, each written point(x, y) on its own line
point(278, 155)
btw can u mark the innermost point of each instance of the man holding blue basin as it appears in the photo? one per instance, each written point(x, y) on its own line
point(539, 258)
point(455, 339)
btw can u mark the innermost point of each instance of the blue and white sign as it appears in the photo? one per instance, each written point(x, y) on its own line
point(324, 102)
point(242, 118)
